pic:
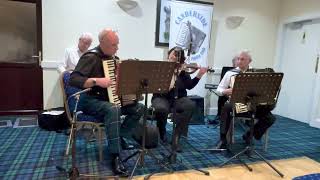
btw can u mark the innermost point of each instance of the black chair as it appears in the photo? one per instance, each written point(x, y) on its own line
point(221, 99)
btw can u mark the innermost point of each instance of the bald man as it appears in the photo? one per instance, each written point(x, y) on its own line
point(89, 73)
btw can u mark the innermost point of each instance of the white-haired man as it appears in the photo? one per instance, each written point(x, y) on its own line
point(263, 114)
point(73, 54)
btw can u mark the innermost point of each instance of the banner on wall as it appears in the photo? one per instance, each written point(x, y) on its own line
point(190, 29)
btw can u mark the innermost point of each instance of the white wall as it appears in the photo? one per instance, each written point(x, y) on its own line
point(297, 9)
point(257, 33)
point(63, 21)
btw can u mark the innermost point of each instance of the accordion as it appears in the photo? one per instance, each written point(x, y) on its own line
point(111, 71)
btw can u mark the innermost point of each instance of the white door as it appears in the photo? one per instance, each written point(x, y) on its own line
point(299, 90)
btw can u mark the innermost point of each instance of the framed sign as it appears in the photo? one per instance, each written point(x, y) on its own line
point(163, 23)
point(163, 20)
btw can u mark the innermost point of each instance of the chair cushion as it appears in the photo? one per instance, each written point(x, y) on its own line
point(70, 90)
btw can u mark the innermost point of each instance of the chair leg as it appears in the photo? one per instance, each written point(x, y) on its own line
point(266, 139)
point(69, 143)
point(100, 144)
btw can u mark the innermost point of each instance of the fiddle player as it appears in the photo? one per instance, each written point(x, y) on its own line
point(163, 103)
point(89, 73)
point(263, 113)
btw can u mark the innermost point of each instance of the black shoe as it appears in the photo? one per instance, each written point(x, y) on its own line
point(125, 145)
point(222, 145)
point(118, 167)
point(179, 149)
point(164, 139)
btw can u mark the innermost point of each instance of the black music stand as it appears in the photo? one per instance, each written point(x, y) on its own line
point(144, 77)
point(255, 89)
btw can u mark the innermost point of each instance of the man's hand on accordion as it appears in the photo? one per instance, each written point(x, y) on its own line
point(104, 82)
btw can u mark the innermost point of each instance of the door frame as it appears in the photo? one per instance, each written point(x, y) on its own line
point(38, 4)
point(314, 121)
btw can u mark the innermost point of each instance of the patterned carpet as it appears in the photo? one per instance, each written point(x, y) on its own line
point(33, 153)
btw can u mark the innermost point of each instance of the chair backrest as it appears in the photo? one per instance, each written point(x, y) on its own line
point(222, 99)
point(67, 91)
point(224, 70)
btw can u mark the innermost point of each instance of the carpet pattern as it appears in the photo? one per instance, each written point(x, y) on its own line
point(33, 153)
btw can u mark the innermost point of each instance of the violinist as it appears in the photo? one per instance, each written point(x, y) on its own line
point(163, 103)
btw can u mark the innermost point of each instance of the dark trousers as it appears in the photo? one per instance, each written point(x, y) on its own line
point(110, 114)
point(184, 110)
point(263, 114)
point(221, 101)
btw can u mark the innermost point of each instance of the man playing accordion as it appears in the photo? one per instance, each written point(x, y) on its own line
point(89, 73)
point(263, 113)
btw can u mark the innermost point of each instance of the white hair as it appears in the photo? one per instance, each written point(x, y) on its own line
point(246, 52)
point(86, 35)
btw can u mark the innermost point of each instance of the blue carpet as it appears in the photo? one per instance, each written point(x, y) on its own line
point(33, 153)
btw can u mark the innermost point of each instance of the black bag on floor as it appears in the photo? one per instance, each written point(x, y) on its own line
point(152, 135)
point(52, 122)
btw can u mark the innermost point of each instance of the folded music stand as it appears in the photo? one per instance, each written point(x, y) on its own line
point(144, 77)
point(253, 89)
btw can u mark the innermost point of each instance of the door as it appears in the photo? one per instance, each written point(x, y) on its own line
point(299, 92)
point(21, 46)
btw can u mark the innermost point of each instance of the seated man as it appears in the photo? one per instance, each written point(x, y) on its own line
point(89, 73)
point(73, 54)
point(223, 99)
point(163, 103)
point(263, 113)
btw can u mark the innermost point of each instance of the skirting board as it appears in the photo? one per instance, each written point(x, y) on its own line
point(25, 122)
point(6, 123)
point(315, 123)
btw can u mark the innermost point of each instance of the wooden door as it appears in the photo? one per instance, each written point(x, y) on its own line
point(21, 78)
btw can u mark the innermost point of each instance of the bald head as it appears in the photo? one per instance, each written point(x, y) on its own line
point(109, 41)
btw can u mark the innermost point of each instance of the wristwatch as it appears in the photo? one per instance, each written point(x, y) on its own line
point(94, 81)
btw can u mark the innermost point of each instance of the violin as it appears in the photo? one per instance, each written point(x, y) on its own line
point(193, 67)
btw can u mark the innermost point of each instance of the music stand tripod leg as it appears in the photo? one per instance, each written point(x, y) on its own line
point(173, 155)
point(253, 90)
point(143, 151)
point(266, 161)
point(238, 156)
